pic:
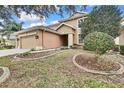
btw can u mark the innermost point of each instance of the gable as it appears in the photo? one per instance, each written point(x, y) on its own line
point(64, 24)
point(72, 20)
point(65, 30)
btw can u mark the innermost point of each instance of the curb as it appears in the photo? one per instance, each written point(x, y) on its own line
point(120, 71)
point(5, 75)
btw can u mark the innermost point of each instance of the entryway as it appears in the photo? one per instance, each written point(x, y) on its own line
point(67, 40)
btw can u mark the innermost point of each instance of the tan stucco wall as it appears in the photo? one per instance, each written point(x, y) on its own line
point(52, 40)
point(46, 40)
point(121, 38)
point(72, 22)
point(65, 30)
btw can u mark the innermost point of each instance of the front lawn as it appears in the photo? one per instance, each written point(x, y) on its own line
point(55, 71)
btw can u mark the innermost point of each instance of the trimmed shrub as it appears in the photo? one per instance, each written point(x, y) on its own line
point(122, 49)
point(99, 42)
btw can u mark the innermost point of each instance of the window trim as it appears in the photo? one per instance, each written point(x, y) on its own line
point(79, 39)
point(80, 19)
point(78, 22)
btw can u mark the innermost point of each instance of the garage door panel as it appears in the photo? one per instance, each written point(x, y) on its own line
point(28, 42)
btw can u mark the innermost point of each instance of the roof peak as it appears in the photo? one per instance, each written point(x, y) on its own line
point(65, 25)
point(82, 12)
point(66, 19)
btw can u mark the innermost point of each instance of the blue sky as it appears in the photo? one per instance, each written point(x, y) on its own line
point(33, 20)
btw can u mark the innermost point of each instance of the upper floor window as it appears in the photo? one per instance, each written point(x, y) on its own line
point(79, 22)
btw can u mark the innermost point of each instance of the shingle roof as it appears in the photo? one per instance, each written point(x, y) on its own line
point(72, 18)
point(65, 25)
point(46, 28)
point(37, 28)
point(67, 19)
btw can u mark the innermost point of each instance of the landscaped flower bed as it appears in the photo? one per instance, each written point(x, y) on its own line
point(36, 55)
point(104, 64)
point(91, 63)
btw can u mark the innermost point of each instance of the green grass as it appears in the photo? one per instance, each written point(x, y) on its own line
point(2, 48)
point(56, 71)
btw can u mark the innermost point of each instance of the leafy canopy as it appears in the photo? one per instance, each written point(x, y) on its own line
point(12, 26)
point(8, 11)
point(104, 19)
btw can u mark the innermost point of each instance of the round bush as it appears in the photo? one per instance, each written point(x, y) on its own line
point(99, 42)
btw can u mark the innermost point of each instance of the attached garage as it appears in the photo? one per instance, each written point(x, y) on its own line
point(28, 42)
point(40, 38)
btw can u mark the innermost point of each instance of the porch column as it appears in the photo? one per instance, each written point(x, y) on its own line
point(70, 40)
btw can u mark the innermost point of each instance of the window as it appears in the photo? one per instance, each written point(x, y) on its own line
point(79, 22)
point(80, 38)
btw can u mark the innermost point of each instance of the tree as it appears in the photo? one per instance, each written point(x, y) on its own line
point(102, 19)
point(7, 12)
point(12, 26)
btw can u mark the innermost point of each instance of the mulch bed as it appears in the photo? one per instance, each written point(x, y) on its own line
point(36, 55)
point(1, 72)
point(90, 62)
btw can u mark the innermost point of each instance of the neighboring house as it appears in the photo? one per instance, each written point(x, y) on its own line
point(8, 37)
point(1, 33)
point(64, 33)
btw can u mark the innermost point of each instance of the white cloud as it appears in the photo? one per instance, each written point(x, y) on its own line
point(1, 20)
point(38, 24)
point(54, 22)
point(1, 27)
point(35, 24)
point(30, 18)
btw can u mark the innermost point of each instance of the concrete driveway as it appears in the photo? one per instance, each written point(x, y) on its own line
point(12, 51)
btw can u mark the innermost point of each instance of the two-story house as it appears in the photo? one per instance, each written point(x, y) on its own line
point(66, 32)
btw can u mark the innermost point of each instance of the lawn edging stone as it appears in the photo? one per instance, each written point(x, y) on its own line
point(5, 75)
point(119, 71)
point(30, 59)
